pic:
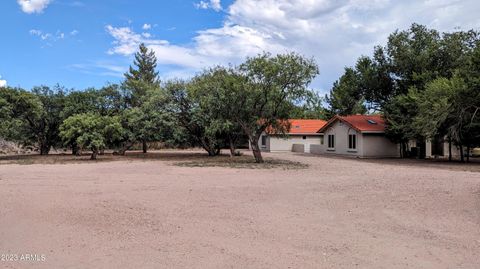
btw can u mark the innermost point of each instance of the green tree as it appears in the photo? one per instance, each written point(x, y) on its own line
point(34, 116)
point(110, 100)
point(436, 112)
point(399, 113)
point(375, 83)
point(91, 131)
point(346, 97)
point(193, 120)
point(311, 108)
point(142, 78)
point(79, 102)
point(413, 56)
point(271, 87)
point(399, 72)
point(107, 101)
point(12, 124)
point(214, 93)
point(448, 107)
point(468, 99)
point(152, 121)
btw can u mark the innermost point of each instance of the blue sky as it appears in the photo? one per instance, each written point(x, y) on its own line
point(85, 43)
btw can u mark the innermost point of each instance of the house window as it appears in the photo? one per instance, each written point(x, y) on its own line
point(352, 142)
point(304, 137)
point(331, 141)
point(264, 141)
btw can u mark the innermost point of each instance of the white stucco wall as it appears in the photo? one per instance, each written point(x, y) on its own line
point(279, 143)
point(376, 145)
point(341, 132)
point(317, 149)
point(368, 145)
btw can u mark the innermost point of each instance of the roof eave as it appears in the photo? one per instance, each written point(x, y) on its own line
point(297, 134)
point(372, 132)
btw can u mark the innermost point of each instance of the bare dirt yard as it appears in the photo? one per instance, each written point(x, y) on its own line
point(183, 210)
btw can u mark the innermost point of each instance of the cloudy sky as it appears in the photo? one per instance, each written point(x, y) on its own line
point(90, 43)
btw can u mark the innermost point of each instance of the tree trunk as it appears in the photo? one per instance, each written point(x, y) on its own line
point(404, 150)
point(144, 146)
point(232, 147)
point(212, 151)
point(75, 149)
point(44, 148)
point(207, 146)
point(94, 155)
point(468, 153)
point(126, 146)
point(462, 158)
point(257, 153)
point(449, 149)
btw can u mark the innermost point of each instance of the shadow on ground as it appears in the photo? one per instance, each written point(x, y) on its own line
point(184, 158)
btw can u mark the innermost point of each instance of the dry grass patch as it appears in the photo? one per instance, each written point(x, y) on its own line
point(243, 162)
point(185, 158)
point(30, 159)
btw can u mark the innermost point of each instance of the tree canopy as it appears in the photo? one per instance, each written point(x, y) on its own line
point(414, 80)
point(425, 83)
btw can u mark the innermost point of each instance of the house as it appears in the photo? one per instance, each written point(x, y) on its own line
point(356, 135)
point(302, 134)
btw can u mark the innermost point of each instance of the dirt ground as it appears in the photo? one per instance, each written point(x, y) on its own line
point(335, 213)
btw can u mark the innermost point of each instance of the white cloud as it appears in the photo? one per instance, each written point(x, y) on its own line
point(3, 83)
point(147, 26)
point(127, 41)
point(49, 37)
point(335, 33)
point(101, 68)
point(213, 4)
point(33, 6)
point(35, 32)
point(74, 33)
point(211, 47)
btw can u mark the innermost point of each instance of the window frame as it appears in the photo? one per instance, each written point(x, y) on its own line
point(263, 141)
point(331, 142)
point(352, 142)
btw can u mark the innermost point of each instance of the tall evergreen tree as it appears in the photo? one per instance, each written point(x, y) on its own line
point(142, 75)
point(140, 78)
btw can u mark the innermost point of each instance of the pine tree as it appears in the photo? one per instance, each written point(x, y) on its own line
point(141, 78)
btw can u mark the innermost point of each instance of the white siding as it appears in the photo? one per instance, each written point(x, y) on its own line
point(279, 143)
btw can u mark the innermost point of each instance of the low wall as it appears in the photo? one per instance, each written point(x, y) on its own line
point(298, 148)
point(316, 149)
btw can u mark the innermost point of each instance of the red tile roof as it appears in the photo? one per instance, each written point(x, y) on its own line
point(361, 123)
point(305, 126)
point(302, 126)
